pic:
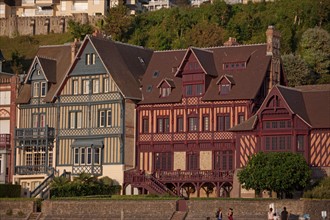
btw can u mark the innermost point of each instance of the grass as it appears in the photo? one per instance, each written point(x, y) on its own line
point(27, 46)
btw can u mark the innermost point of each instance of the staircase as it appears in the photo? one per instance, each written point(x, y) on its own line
point(179, 215)
point(43, 188)
point(34, 216)
point(148, 182)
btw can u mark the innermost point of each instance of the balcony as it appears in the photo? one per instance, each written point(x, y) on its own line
point(33, 170)
point(4, 141)
point(35, 133)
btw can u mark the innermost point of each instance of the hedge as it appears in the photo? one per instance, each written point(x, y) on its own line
point(10, 191)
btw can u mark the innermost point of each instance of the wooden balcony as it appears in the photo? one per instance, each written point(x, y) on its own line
point(4, 141)
point(179, 176)
point(33, 169)
point(35, 133)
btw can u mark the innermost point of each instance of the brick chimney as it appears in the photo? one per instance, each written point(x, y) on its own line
point(231, 42)
point(273, 41)
point(273, 50)
point(74, 49)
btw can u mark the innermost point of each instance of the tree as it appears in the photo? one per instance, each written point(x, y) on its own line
point(315, 50)
point(281, 172)
point(79, 31)
point(17, 62)
point(296, 70)
point(118, 22)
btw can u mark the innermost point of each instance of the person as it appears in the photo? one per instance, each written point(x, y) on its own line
point(230, 214)
point(270, 214)
point(284, 214)
point(218, 214)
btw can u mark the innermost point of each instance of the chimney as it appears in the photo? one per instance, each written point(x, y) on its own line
point(231, 42)
point(273, 41)
point(74, 49)
point(98, 33)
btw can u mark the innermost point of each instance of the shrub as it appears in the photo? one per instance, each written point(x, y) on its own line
point(9, 190)
point(320, 191)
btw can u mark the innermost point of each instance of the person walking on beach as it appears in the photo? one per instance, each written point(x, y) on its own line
point(284, 214)
point(230, 214)
point(270, 214)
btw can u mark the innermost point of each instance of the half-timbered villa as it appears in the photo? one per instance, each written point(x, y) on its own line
point(191, 98)
point(289, 120)
point(97, 109)
point(8, 89)
point(37, 121)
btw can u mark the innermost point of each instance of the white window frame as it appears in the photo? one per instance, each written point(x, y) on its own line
point(43, 89)
point(86, 85)
point(96, 86)
point(75, 86)
point(106, 84)
point(36, 89)
point(109, 118)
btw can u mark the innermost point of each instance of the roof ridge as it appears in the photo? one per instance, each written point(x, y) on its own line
point(45, 57)
point(289, 88)
point(59, 45)
point(118, 42)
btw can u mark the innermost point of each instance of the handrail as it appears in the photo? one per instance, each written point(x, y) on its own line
point(43, 185)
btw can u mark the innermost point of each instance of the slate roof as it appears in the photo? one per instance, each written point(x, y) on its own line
point(55, 61)
point(311, 103)
point(125, 63)
point(247, 82)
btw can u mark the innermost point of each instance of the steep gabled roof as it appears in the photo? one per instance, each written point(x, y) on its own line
point(169, 82)
point(49, 68)
point(125, 63)
point(61, 55)
point(246, 81)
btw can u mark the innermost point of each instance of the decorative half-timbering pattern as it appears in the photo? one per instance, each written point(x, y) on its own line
point(320, 148)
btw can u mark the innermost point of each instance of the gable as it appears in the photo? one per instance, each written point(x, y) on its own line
point(36, 72)
point(88, 62)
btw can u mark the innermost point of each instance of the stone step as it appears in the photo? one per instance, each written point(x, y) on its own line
point(179, 215)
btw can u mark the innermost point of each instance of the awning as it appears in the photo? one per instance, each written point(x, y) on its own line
point(87, 143)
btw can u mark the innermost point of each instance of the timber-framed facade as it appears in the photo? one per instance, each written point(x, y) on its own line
point(191, 99)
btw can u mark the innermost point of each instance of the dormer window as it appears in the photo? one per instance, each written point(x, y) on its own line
point(36, 88)
point(225, 84)
point(224, 89)
point(43, 89)
point(165, 87)
point(165, 92)
point(39, 89)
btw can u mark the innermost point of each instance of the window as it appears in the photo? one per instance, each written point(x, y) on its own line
point(300, 142)
point(85, 156)
point(193, 124)
point(241, 118)
point(106, 84)
point(36, 88)
point(43, 89)
point(86, 86)
point(97, 156)
point(96, 86)
point(223, 160)
point(75, 87)
point(163, 161)
point(145, 125)
point(223, 123)
point(165, 92)
point(75, 119)
point(199, 89)
point(163, 125)
point(224, 89)
point(76, 156)
point(179, 126)
point(89, 155)
point(38, 120)
point(284, 124)
point(189, 90)
point(105, 118)
point(90, 59)
point(277, 143)
point(206, 123)
point(192, 161)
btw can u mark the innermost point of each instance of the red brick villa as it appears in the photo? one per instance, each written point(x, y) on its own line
point(191, 100)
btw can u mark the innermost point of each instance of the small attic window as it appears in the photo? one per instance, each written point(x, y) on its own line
point(224, 88)
point(141, 60)
point(234, 66)
point(149, 88)
point(165, 91)
point(38, 72)
point(156, 74)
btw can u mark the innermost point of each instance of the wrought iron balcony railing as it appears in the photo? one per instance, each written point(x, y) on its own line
point(33, 169)
point(4, 141)
point(35, 133)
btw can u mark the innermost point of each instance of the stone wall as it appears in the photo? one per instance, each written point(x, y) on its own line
point(17, 208)
point(106, 209)
point(257, 209)
point(14, 26)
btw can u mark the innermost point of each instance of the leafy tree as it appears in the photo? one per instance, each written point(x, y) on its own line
point(315, 50)
point(281, 172)
point(118, 22)
point(17, 62)
point(79, 31)
point(297, 71)
point(320, 191)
